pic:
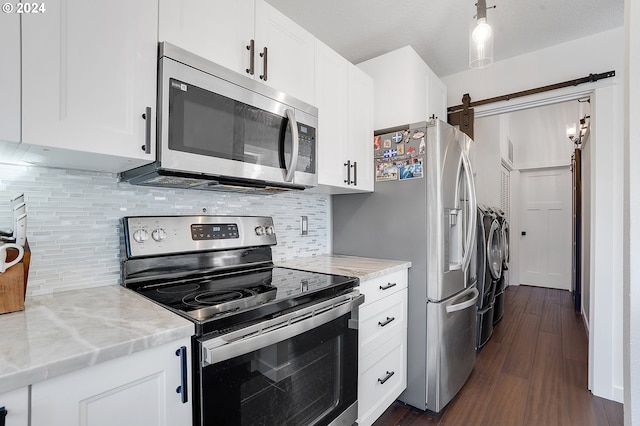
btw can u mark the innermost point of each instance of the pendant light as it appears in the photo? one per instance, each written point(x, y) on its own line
point(480, 38)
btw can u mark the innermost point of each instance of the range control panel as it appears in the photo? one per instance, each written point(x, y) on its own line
point(157, 235)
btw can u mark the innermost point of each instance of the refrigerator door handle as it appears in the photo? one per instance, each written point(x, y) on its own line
point(466, 304)
point(471, 229)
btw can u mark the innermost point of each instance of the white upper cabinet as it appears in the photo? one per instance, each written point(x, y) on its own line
point(240, 33)
point(220, 31)
point(407, 91)
point(332, 91)
point(10, 77)
point(289, 53)
point(436, 97)
point(344, 96)
point(361, 128)
point(89, 84)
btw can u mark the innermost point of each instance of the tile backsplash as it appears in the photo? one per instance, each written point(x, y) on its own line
point(74, 224)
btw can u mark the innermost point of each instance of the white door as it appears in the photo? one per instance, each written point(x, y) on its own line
point(545, 259)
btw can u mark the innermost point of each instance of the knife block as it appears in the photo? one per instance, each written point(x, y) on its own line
point(13, 283)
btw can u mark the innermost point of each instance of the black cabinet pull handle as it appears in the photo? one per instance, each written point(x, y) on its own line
point(355, 173)
point(387, 377)
point(182, 389)
point(147, 132)
point(263, 55)
point(388, 286)
point(388, 320)
point(3, 414)
point(251, 49)
point(348, 166)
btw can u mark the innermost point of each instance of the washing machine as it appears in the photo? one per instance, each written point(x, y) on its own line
point(489, 270)
point(503, 282)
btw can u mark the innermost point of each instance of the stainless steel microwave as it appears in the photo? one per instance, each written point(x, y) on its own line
point(220, 130)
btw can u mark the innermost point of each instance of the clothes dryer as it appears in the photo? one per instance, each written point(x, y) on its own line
point(489, 258)
point(503, 282)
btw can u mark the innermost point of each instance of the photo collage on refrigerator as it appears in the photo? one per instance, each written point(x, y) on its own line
point(399, 155)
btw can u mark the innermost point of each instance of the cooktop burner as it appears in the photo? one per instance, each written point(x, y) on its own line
point(208, 297)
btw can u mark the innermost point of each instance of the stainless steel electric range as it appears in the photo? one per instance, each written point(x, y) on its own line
point(273, 346)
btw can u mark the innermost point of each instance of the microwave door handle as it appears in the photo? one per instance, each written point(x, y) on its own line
point(295, 142)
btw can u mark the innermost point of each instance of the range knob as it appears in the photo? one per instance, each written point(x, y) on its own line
point(259, 230)
point(140, 236)
point(159, 234)
point(269, 230)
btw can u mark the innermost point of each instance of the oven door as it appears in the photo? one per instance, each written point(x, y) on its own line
point(300, 368)
point(212, 125)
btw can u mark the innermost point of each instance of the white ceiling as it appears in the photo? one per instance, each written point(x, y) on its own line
point(439, 29)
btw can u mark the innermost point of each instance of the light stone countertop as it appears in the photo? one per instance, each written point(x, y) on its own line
point(67, 331)
point(365, 268)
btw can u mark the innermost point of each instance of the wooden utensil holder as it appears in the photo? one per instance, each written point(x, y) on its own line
point(13, 282)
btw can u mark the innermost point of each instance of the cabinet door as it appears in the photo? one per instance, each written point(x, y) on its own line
point(88, 75)
point(217, 30)
point(290, 53)
point(333, 123)
point(361, 127)
point(10, 77)
point(16, 404)
point(436, 97)
point(135, 390)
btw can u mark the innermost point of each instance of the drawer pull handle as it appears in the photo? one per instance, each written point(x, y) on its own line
point(388, 286)
point(387, 377)
point(389, 319)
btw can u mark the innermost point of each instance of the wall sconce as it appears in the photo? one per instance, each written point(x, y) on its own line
point(571, 131)
point(480, 37)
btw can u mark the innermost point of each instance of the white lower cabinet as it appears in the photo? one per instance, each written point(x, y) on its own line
point(14, 405)
point(382, 360)
point(141, 389)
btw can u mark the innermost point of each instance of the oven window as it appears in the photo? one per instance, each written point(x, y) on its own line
point(207, 123)
point(308, 379)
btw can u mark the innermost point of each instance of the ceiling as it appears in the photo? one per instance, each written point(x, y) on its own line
point(439, 29)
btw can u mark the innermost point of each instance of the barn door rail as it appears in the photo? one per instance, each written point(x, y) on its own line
point(463, 114)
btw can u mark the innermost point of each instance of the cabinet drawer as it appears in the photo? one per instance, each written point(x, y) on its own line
point(378, 288)
point(380, 321)
point(377, 386)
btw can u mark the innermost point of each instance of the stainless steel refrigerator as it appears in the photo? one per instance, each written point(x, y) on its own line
point(423, 210)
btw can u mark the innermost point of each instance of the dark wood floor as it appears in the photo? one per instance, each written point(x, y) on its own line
point(533, 371)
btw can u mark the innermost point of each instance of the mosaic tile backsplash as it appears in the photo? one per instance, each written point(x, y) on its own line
point(74, 223)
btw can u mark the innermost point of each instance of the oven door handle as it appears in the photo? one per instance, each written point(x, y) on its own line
point(278, 329)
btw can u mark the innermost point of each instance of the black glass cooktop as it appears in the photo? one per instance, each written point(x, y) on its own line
point(223, 300)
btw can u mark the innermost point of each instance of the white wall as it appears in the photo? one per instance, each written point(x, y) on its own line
point(485, 160)
point(74, 221)
point(632, 215)
point(595, 54)
point(586, 248)
point(539, 135)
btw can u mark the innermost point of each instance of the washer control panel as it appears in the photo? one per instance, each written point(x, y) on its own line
point(157, 235)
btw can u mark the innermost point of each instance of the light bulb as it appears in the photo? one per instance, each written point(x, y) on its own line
point(482, 31)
